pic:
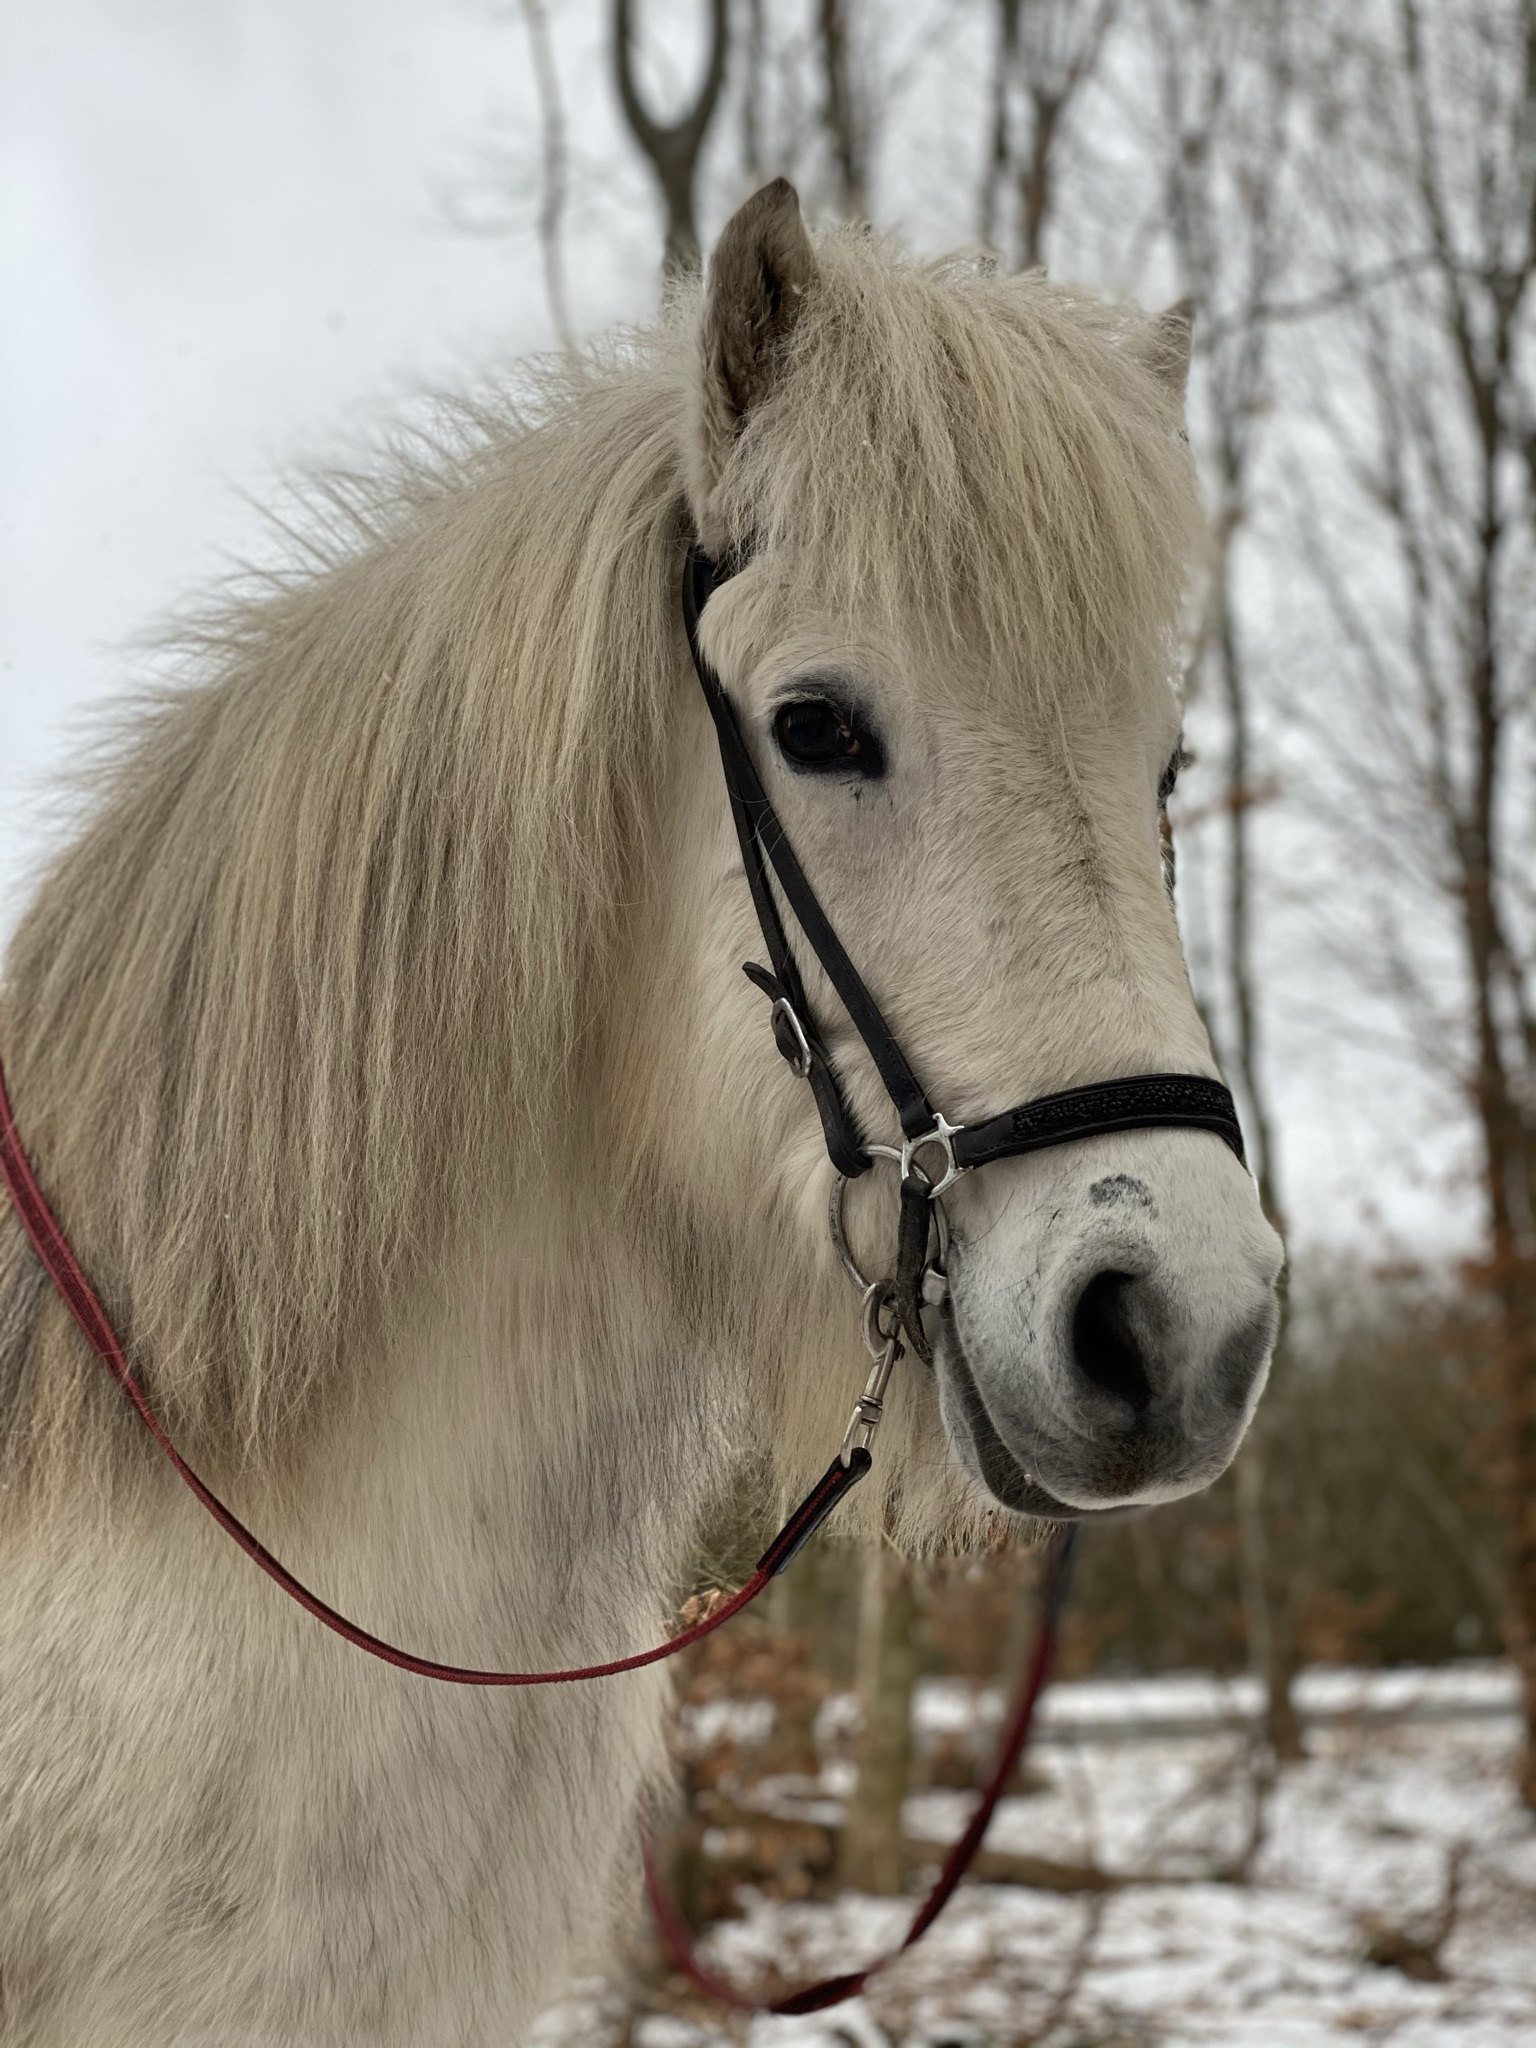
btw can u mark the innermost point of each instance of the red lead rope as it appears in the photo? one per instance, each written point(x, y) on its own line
point(678, 1942)
point(64, 1269)
point(53, 1248)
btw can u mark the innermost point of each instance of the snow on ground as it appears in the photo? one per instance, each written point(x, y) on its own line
point(1399, 1838)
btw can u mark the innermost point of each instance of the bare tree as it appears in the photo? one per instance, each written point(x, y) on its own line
point(1432, 417)
point(1045, 51)
point(672, 148)
point(842, 117)
point(1225, 107)
point(1226, 87)
point(552, 184)
point(872, 1853)
point(753, 152)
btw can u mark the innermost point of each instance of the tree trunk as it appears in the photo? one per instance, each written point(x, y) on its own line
point(1268, 1622)
point(872, 1857)
point(672, 148)
point(1035, 182)
point(839, 113)
point(1508, 1174)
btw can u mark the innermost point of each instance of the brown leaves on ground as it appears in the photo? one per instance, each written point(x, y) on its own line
point(741, 1789)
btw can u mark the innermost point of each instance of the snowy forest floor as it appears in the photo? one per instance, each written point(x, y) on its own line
point(1383, 1890)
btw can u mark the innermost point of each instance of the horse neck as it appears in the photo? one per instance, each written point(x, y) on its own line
point(529, 1455)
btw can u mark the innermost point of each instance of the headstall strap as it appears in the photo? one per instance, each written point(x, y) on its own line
point(1128, 1103)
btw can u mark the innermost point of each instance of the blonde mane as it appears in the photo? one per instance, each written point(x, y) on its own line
point(317, 973)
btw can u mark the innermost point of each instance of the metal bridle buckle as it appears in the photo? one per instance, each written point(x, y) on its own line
point(935, 1285)
point(783, 1012)
point(884, 1343)
point(878, 1304)
point(943, 1135)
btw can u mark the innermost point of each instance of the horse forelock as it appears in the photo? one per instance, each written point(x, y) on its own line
point(978, 459)
point(318, 970)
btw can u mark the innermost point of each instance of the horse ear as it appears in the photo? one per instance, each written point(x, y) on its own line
point(1168, 344)
point(761, 270)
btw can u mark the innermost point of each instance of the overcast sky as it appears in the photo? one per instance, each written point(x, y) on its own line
point(232, 241)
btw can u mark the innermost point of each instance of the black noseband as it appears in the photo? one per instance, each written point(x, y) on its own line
point(1135, 1102)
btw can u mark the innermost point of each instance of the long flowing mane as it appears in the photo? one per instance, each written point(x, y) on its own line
point(345, 905)
point(341, 903)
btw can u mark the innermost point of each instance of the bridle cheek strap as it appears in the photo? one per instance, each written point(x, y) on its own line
point(765, 846)
point(1133, 1102)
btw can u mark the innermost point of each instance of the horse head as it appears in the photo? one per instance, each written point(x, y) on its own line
point(960, 515)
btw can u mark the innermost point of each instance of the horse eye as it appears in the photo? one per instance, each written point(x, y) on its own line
point(1176, 760)
point(824, 738)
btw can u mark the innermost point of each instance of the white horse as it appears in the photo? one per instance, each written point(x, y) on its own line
point(382, 1043)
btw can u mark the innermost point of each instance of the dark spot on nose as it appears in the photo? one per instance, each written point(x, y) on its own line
point(1120, 1187)
point(1105, 1344)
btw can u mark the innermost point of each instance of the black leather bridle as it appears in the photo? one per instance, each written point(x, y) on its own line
point(934, 1152)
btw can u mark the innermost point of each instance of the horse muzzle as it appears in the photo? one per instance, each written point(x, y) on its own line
point(1110, 1319)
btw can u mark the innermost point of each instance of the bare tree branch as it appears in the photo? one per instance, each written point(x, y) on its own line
point(1440, 155)
point(553, 183)
point(839, 113)
point(1046, 50)
point(672, 148)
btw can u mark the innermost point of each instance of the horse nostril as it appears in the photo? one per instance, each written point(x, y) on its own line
point(1104, 1344)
